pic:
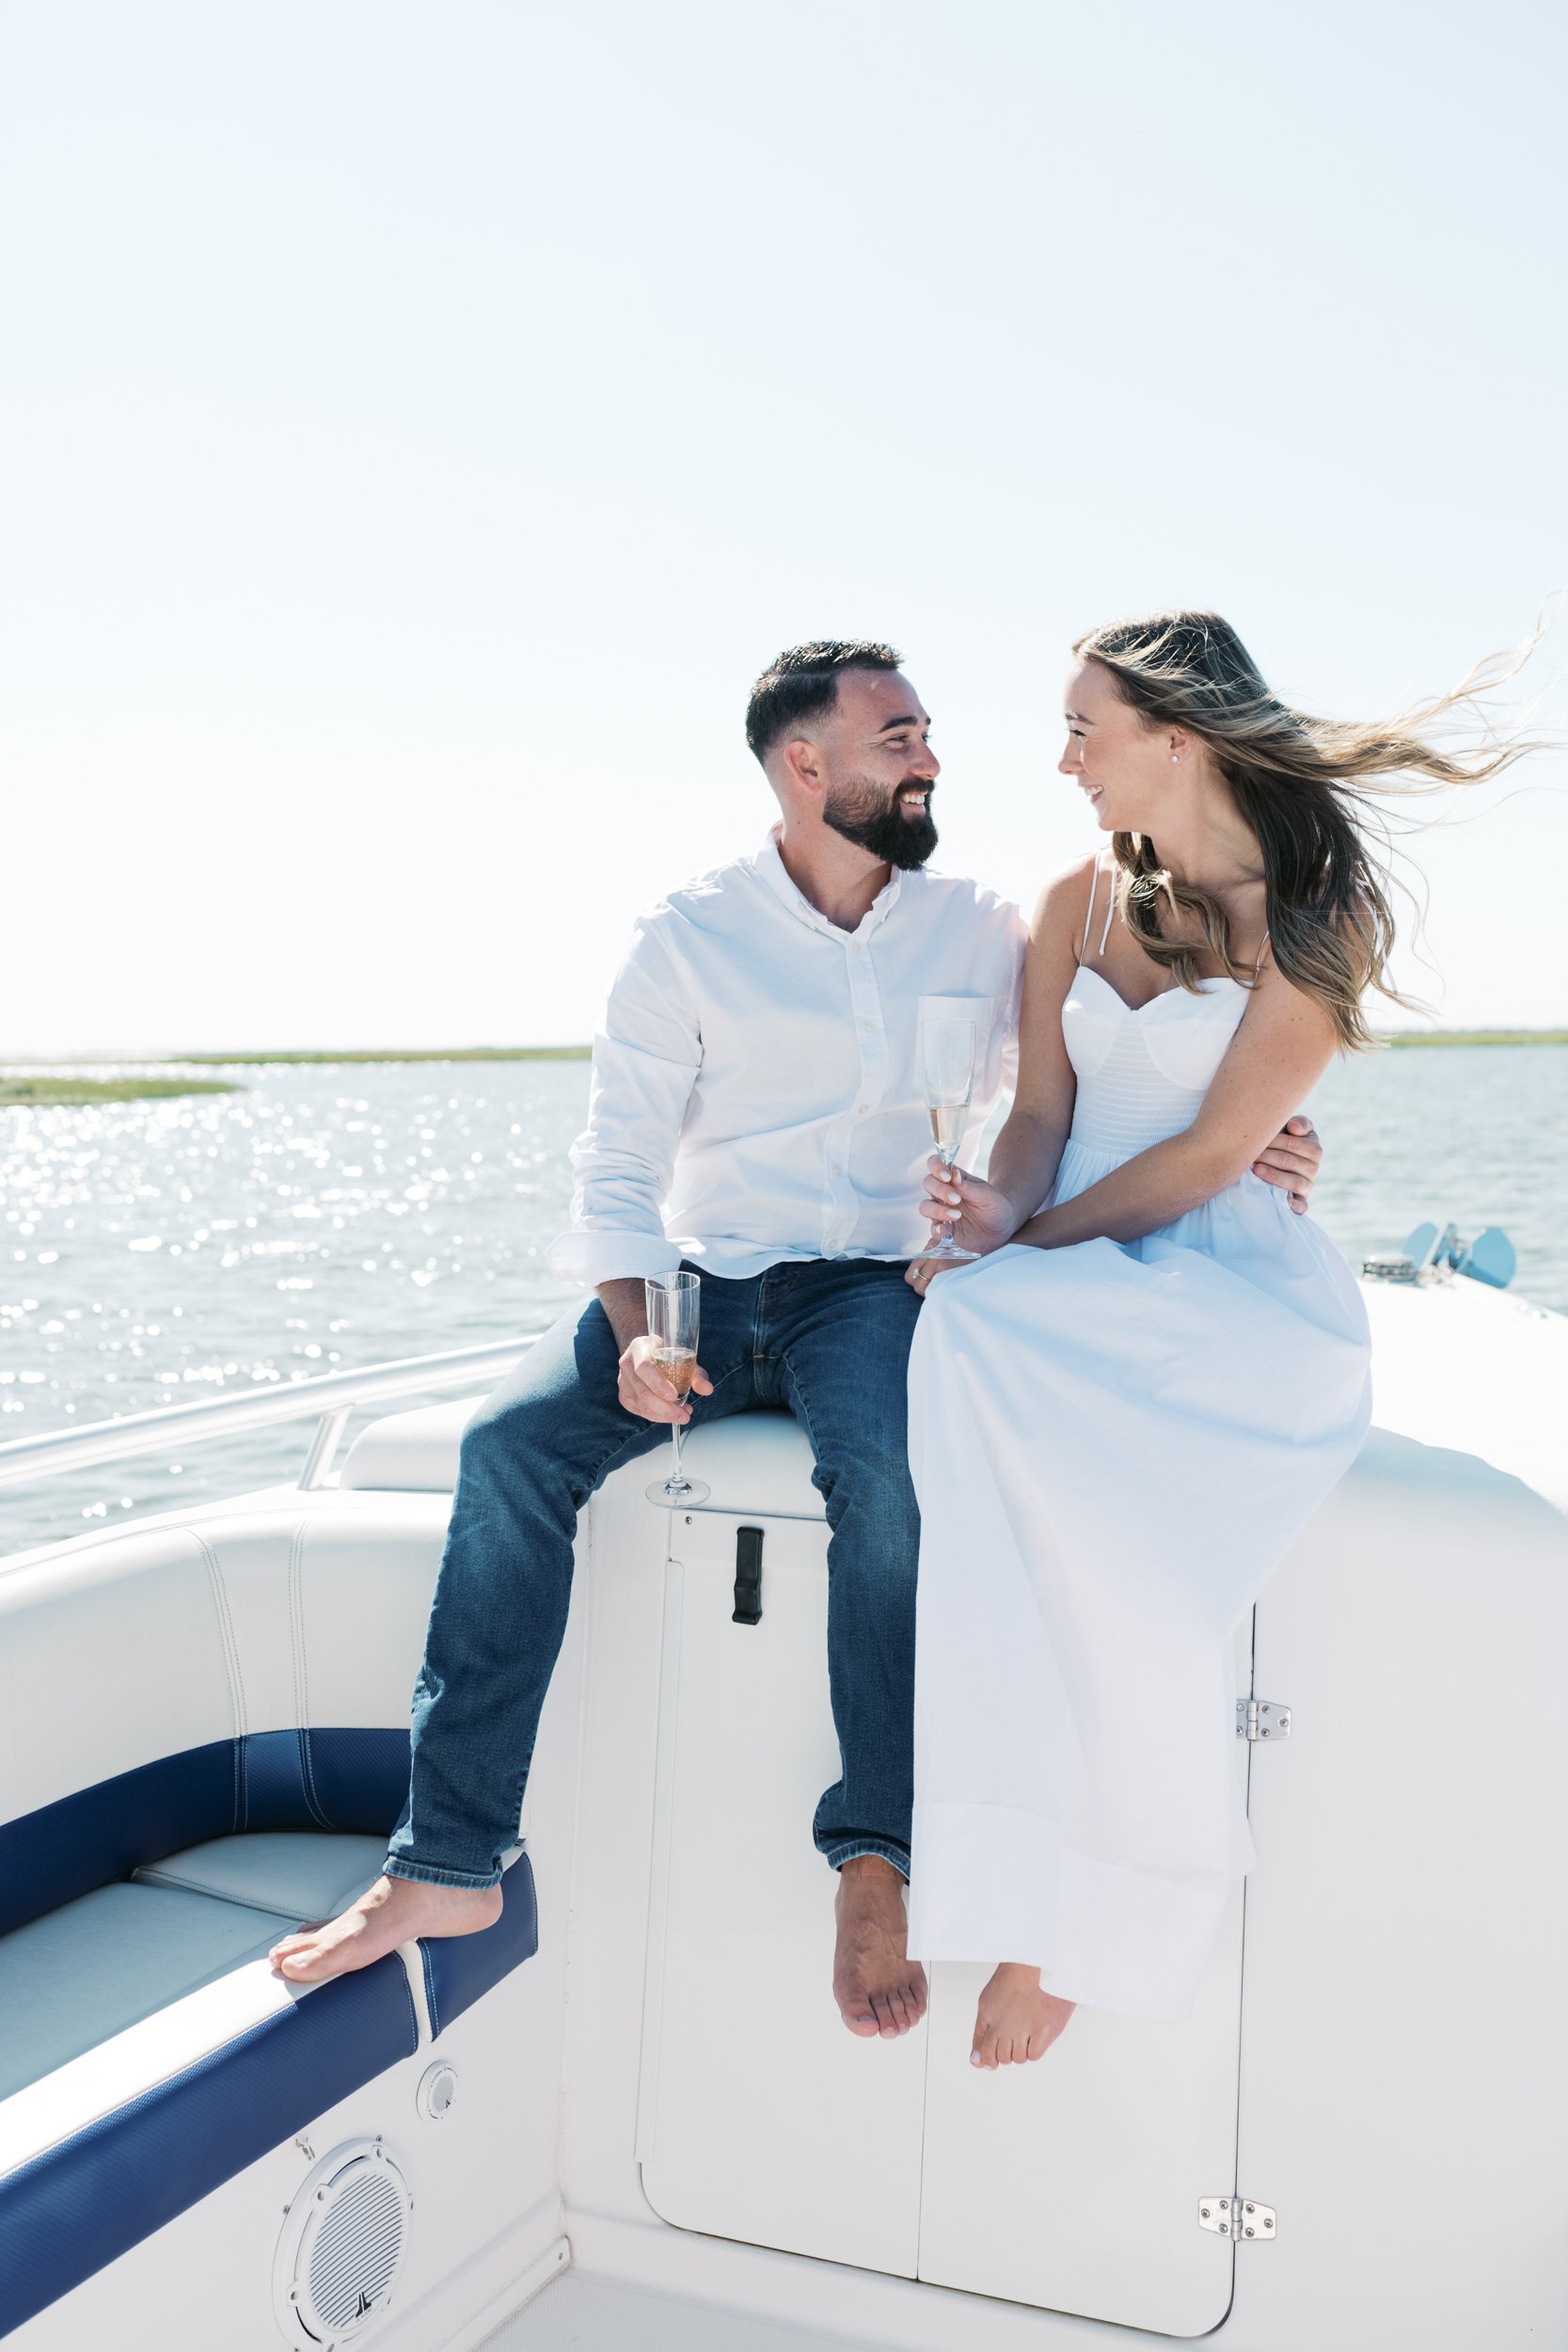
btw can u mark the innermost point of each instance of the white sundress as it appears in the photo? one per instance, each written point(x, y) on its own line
point(1112, 1444)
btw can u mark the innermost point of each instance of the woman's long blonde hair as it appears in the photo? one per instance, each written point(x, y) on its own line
point(1304, 786)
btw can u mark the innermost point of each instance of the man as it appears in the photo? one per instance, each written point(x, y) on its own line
point(757, 1114)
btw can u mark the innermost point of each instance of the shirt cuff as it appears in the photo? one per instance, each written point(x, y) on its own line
point(586, 1256)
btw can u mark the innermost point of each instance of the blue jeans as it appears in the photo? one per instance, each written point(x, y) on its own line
point(830, 1340)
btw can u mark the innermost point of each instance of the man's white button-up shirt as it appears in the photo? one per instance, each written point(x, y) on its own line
point(757, 1092)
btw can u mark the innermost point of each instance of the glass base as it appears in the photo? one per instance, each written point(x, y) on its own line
point(946, 1254)
point(677, 1494)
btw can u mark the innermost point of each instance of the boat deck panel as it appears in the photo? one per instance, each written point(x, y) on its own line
point(583, 2314)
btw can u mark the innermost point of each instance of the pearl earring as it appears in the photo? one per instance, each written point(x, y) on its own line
point(1175, 759)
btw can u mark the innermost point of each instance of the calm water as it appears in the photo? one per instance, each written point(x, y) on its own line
point(158, 1251)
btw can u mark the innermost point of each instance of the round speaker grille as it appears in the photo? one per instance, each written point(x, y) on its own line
point(342, 2245)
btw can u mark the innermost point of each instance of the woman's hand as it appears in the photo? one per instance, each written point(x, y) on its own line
point(1292, 1161)
point(981, 1219)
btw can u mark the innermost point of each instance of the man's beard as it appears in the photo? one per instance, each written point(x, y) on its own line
point(857, 811)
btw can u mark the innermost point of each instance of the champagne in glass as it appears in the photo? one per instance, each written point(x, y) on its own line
point(673, 1313)
point(947, 1064)
point(947, 1125)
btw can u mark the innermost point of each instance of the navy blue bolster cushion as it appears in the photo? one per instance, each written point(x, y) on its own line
point(79, 2205)
point(296, 1779)
point(459, 1969)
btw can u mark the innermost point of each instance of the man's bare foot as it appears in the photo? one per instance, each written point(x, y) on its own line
point(392, 1912)
point(878, 1989)
point(1016, 2020)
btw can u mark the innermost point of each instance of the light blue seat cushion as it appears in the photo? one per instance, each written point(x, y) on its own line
point(303, 1873)
point(71, 1980)
point(106, 1961)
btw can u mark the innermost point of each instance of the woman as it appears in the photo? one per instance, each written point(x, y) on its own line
point(1122, 1416)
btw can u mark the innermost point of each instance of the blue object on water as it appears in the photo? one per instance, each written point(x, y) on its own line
point(1490, 1258)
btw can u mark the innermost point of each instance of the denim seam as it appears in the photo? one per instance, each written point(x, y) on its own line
point(799, 1387)
point(850, 1849)
point(823, 1488)
point(425, 1874)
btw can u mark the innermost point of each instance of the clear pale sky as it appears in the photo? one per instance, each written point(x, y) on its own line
point(422, 422)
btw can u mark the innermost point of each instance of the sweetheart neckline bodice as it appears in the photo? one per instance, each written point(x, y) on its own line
point(1142, 1073)
point(1163, 996)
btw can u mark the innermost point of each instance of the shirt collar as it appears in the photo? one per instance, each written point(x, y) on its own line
point(771, 867)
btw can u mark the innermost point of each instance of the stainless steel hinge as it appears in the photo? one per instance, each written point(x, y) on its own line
point(1262, 1719)
point(1236, 2216)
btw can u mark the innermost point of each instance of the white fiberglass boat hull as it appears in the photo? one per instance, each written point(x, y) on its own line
point(661, 2092)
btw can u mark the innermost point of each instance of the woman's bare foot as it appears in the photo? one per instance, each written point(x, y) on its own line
point(878, 1989)
point(393, 1911)
point(1016, 2020)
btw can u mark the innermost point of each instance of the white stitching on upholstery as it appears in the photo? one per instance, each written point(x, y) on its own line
point(231, 1660)
point(301, 1671)
point(307, 1778)
point(296, 1623)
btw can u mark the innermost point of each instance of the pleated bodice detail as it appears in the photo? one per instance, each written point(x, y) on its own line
point(1143, 1071)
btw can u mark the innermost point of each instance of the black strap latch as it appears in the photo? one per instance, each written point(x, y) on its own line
point(747, 1576)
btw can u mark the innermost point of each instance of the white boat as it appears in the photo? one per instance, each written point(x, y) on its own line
point(628, 2115)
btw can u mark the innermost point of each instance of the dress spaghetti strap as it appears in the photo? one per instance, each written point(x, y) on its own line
point(1088, 911)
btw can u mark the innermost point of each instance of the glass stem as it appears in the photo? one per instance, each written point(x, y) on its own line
point(679, 1478)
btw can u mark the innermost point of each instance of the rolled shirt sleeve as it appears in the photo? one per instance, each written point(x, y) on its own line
point(646, 1058)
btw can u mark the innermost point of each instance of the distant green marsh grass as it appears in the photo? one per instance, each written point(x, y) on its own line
point(423, 1053)
point(1479, 1037)
point(37, 1093)
point(20, 1089)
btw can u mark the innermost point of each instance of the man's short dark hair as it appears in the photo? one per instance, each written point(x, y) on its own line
point(802, 685)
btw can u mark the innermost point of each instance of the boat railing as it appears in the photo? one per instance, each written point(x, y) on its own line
point(327, 1398)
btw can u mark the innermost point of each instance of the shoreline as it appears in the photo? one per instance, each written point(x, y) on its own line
point(65, 1085)
point(58, 1085)
point(395, 1053)
point(12, 1065)
point(1475, 1037)
point(17, 1066)
point(68, 1093)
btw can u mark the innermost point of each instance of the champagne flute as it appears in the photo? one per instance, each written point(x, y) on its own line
point(947, 1062)
point(673, 1314)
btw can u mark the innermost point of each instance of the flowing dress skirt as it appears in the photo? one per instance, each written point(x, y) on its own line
point(1112, 1444)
